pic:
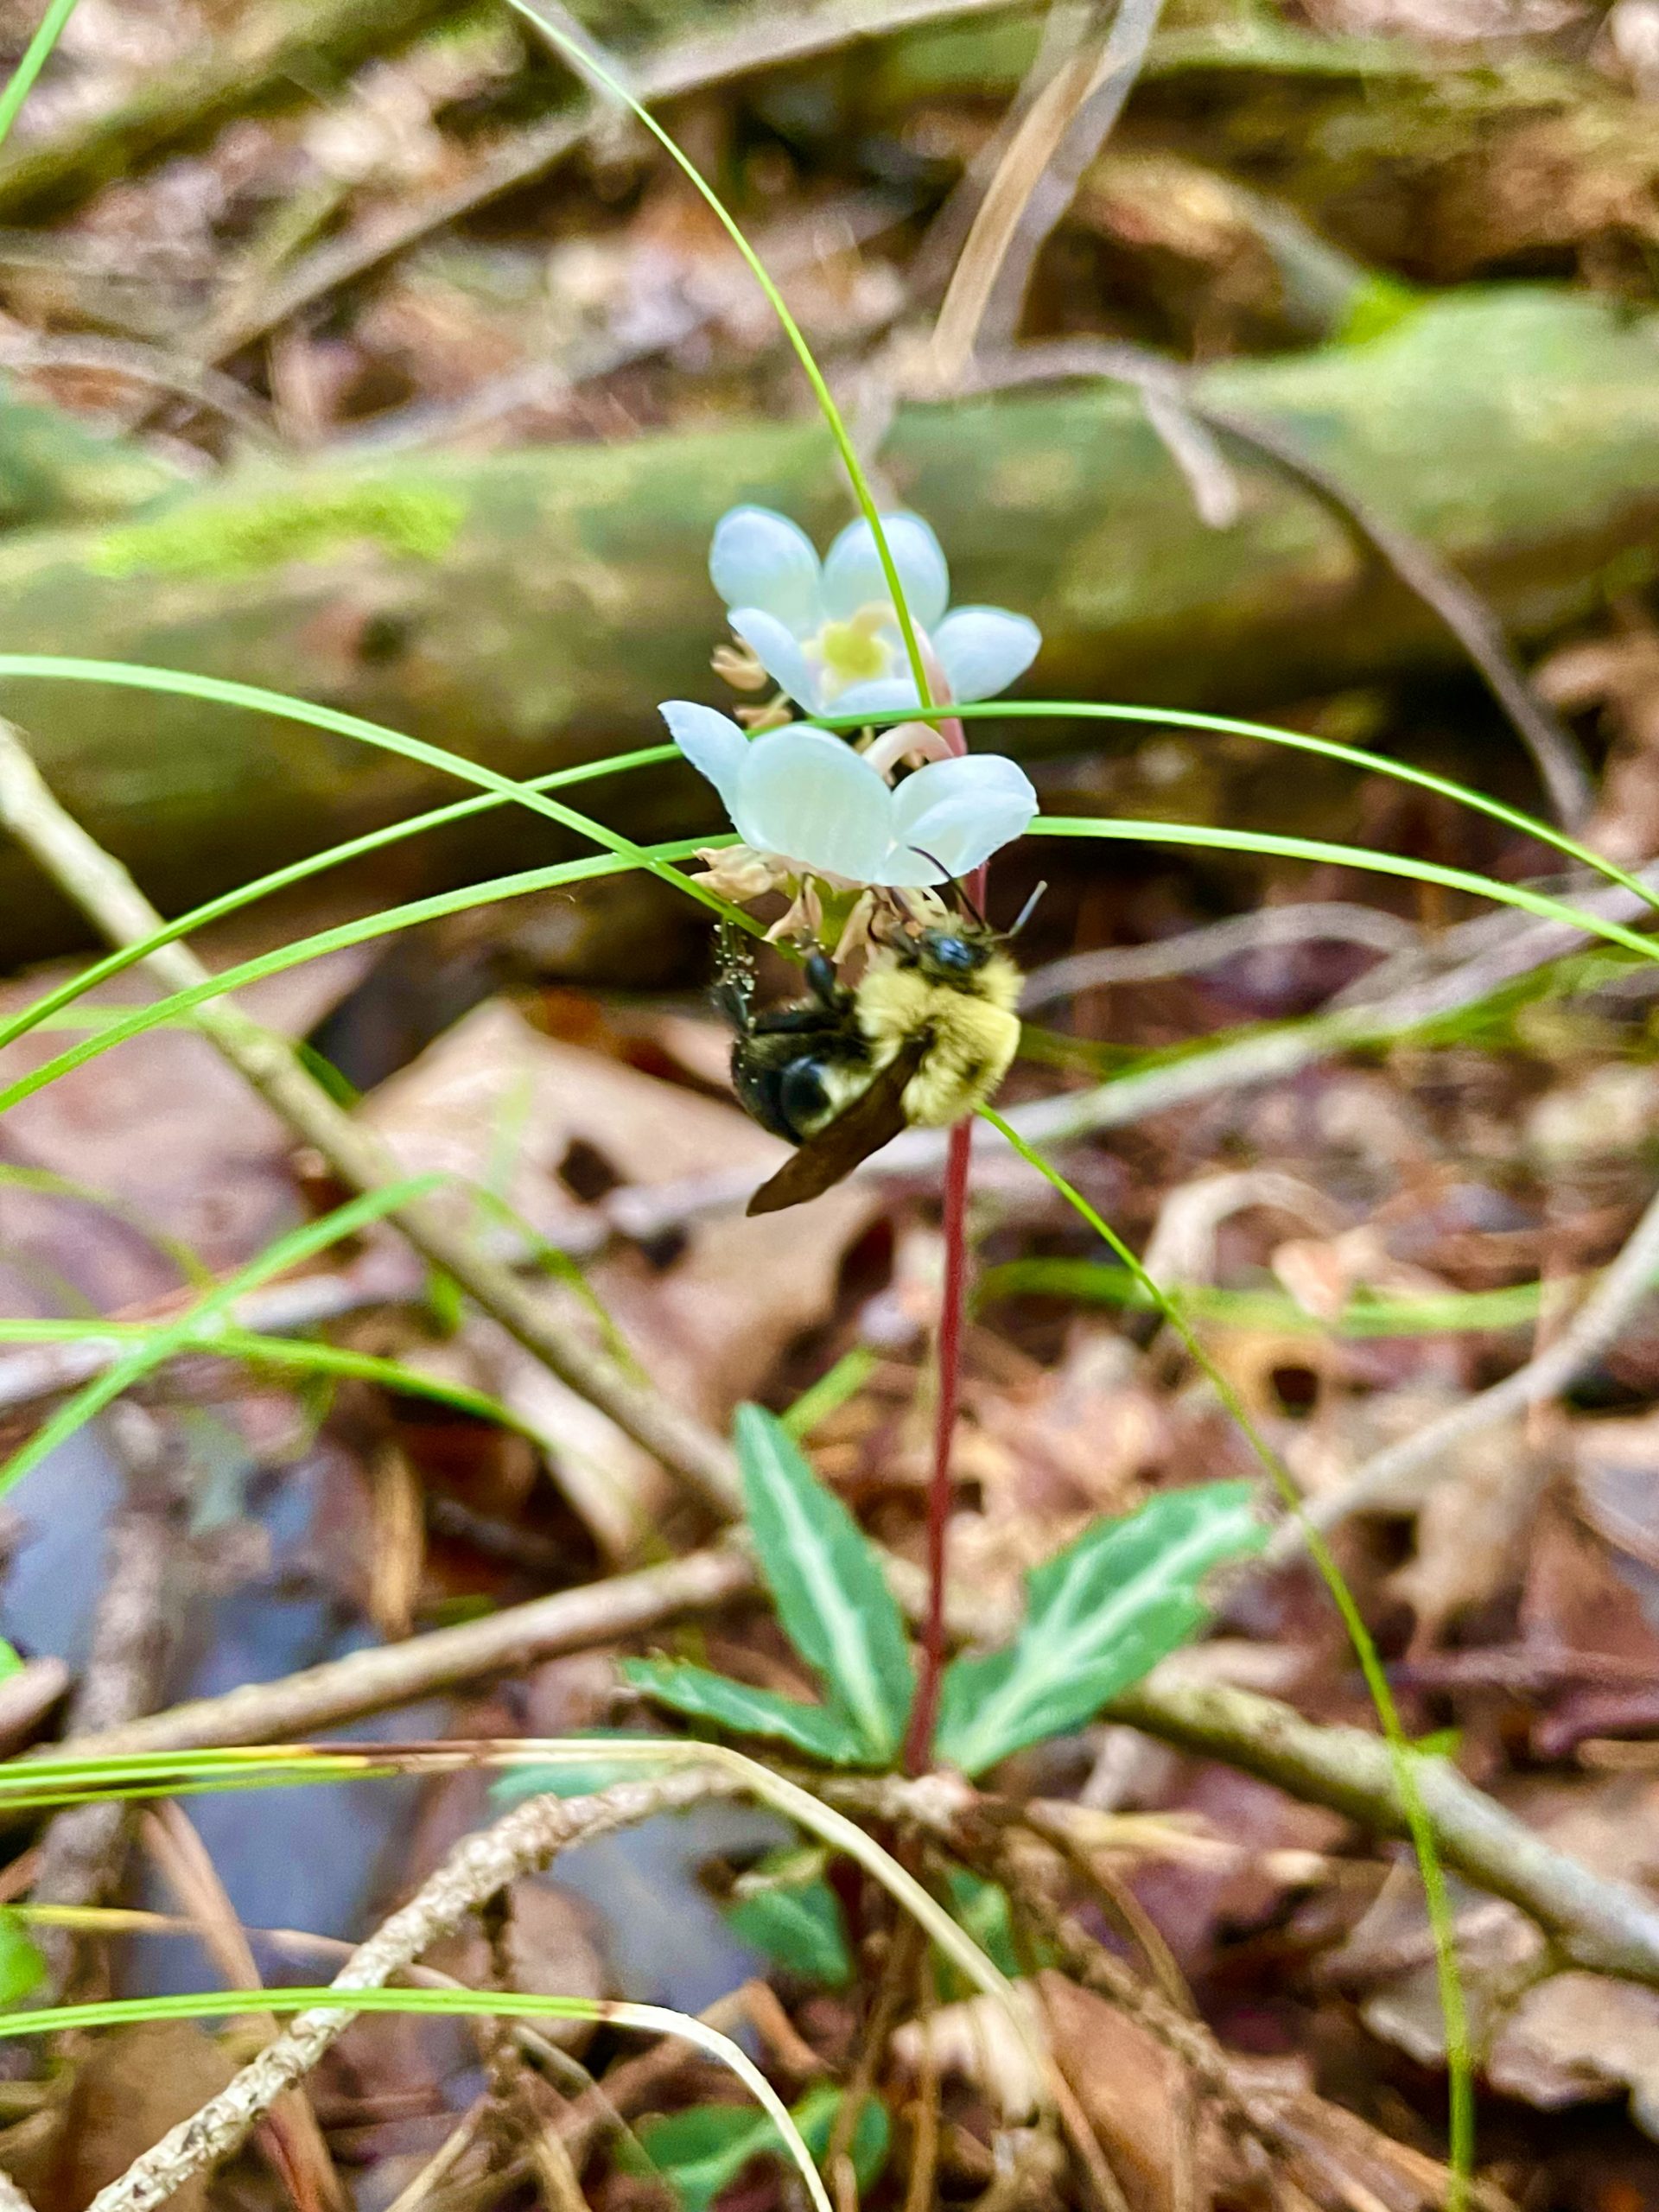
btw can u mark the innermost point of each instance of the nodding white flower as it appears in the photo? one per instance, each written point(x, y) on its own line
point(826, 632)
point(806, 797)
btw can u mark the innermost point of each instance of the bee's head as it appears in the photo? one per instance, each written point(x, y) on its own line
point(945, 956)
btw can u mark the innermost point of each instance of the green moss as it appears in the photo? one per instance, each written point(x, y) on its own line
point(301, 523)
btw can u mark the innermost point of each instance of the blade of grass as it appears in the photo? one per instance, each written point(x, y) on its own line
point(1189, 834)
point(475, 2004)
point(587, 64)
point(1403, 1754)
point(1445, 1313)
point(1277, 846)
point(1327, 748)
point(26, 1783)
point(260, 1351)
point(219, 691)
point(36, 55)
point(136, 1020)
point(199, 1323)
point(115, 963)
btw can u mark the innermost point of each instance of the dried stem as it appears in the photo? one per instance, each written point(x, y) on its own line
point(918, 1742)
point(82, 1849)
point(527, 1840)
point(953, 1305)
point(106, 894)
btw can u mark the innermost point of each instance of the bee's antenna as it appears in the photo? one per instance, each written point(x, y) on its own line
point(1027, 912)
point(958, 886)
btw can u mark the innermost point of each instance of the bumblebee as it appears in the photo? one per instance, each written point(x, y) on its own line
point(926, 1036)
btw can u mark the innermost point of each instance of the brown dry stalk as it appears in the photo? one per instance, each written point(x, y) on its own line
point(112, 902)
point(82, 1851)
point(527, 1840)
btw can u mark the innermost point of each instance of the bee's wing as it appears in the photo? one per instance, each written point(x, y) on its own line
point(875, 1118)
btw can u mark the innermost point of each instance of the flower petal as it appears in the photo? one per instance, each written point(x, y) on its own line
point(808, 797)
point(854, 576)
point(881, 695)
point(778, 652)
point(760, 558)
point(984, 649)
point(959, 813)
point(712, 742)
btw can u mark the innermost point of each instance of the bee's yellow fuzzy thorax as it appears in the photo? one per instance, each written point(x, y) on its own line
point(969, 1022)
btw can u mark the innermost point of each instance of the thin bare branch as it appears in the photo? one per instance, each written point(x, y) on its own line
point(1556, 752)
point(1336, 921)
point(103, 891)
point(83, 1847)
point(524, 1840)
point(1397, 1477)
point(396, 1673)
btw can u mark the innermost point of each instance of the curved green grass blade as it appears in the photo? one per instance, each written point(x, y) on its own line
point(36, 56)
point(116, 962)
point(191, 1266)
point(1435, 1314)
point(218, 691)
point(1403, 1755)
point(474, 2004)
point(1327, 748)
point(29, 1783)
point(258, 1350)
point(362, 931)
point(200, 1324)
point(587, 64)
point(1271, 843)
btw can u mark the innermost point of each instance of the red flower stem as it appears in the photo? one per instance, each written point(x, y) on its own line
point(918, 1743)
point(918, 1740)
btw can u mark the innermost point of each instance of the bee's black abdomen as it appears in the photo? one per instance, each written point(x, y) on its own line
point(803, 1100)
point(784, 1077)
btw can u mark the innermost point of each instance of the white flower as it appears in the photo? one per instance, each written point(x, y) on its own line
point(826, 633)
point(805, 796)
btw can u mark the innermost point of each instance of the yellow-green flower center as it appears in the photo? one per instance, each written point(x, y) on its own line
point(852, 652)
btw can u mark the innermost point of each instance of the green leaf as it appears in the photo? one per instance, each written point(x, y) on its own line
point(983, 1909)
point(798, 1928)
point(22, 1967)
point(1099, 1617)
point(11, 1661)
point(817, 1730)
point(815, 2116)
point(701, 2152)
point(826, 1581)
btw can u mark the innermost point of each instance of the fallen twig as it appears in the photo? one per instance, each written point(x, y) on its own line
point(396, 1673)
point(1556, 752)
point(1386, 1479)
point(524, 1840)
point(145, 364)
point(1603, 1924)
point(1610, 1927)
point(182, 1859)
point(274, 56)
point(103, 891)
point(82, 1851)
point(766, 39)
point(1329, 920)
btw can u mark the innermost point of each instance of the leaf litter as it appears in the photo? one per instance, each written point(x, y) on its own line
point(1514, 1592)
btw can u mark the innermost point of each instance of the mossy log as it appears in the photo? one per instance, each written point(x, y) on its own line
point(531, 608)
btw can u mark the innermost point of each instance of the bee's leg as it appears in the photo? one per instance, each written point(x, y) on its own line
point(823, 982)
point(809, 1020)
